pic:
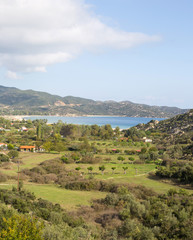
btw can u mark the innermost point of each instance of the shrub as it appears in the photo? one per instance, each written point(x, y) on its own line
point(130, 152)
point(75, 157)
point(90, 159)
point(66, 160)
point(20, 205)
point(102, 168)
point(120, 158)
point(55, 217)
point(74, 148)
point(51, 177)
point(38, 170)
point(143, 150)
point(13, 154)
point(4, 158)
point(53, 166)
point(21, 227)
point(10, 146)
point(84, 185)
point(38, 178)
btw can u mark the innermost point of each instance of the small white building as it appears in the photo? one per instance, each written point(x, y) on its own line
point(147, 140)
point(3, 146)
point(24, 129)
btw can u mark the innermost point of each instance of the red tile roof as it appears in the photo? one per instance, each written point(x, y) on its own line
point(27, 147)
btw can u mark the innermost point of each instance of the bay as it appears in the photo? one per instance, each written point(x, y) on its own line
point(121, 122)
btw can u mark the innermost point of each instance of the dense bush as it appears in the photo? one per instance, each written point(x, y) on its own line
point(130, 152)
point(13, 154)
point(88, 185)
point(4, 158)
point(26, 202)
point(120, 215)
point(90, 159)
point(53, 166)
point(177, 170)
point(120, 158)
point(21, 227)
point(59, 225)
point(38, 170)
point(66, 159)
point(164, 217)
point(50, 178)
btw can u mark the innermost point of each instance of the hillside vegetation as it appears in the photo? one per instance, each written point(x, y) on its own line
point(95, 182)
point(174, 140)
point(22, 102)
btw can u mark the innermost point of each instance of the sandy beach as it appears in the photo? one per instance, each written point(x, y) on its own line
point(15, 117)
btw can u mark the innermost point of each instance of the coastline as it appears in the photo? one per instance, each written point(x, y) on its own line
point(22, 117)
point(115, 121)
point(15, 117)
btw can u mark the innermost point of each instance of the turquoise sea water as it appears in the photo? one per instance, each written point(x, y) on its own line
point(122, 122)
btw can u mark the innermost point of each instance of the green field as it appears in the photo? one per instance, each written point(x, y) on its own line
point(133, 169)
point(28, 160)
point(135, 174)
point(67, 198)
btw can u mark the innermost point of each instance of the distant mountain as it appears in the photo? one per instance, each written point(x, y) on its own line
point(15, 101)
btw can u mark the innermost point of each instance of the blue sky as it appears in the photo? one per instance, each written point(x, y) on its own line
point(88, 49)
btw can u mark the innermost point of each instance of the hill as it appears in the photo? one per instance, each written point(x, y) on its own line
point(173, 147)
point(177, 125)
point(174, 136)
point(21, 102)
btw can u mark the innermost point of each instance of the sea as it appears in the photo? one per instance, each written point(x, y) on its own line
point(121, 122)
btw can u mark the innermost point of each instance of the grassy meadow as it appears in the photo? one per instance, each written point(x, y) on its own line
point(68, 199)
point(135, 174)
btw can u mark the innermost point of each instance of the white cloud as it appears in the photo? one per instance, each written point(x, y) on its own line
point(12, 75)
point(37, 33)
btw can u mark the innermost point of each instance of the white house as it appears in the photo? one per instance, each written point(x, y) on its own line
point(147, 140)
point(3, 145)
point(24, 129)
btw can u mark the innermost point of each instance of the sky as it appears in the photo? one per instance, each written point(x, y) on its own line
point(135, 50)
